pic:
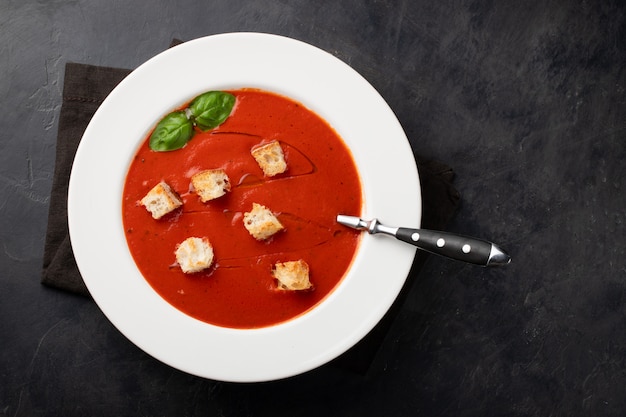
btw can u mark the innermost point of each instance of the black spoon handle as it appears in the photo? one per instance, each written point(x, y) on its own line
point(461, 248)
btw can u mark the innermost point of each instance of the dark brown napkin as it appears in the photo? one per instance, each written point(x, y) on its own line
point(86, 87)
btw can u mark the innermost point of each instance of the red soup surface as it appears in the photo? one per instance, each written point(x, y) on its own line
point(238, 291)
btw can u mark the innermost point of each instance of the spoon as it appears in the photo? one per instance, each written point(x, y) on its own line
point(462, 248)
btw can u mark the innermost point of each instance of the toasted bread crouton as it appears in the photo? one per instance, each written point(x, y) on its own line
point(160, 200)
point(194, 254)
point(261, 222)
point(210, 184)
point(270, 158)
point(292, 275)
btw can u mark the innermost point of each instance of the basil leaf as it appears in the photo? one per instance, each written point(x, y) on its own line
point(211, 109)
point(172, 132)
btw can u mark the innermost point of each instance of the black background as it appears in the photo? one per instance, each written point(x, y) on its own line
point(526, 101)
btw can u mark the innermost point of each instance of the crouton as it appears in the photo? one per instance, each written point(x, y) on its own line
point(261, 223)
point(210, 184)
point(160, 200)
point(270, 158)
point(292, 275)
point(194, 254)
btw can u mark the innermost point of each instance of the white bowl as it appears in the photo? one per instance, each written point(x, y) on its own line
point(306, 74)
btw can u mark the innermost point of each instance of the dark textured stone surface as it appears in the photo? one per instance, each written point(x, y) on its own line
point(525, 100)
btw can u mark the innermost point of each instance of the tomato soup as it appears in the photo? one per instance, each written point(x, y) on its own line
point(239, 291)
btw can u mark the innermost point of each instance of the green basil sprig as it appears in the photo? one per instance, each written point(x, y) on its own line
point(173, 132)
point(211, 109)
point(206, 111)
